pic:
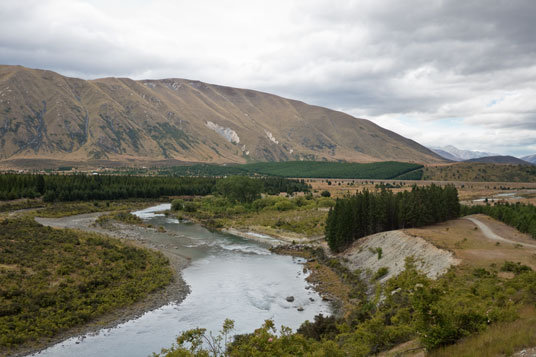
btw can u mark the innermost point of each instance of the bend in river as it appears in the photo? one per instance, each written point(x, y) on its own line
point(229, 277)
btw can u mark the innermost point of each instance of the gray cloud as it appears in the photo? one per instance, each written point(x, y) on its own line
point(402, 64)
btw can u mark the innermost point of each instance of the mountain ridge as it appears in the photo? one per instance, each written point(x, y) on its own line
point(451, 152)
point(499, 159)
point(44, 115)
point(530, 158)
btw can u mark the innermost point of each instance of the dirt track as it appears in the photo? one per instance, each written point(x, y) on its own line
point(491, 235)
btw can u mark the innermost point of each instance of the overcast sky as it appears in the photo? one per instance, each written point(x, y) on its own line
point(439, 72)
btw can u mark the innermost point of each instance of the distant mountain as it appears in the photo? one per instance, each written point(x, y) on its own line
point(499, 160)
point(446, 155)
point(44, 115)
point(455, 154)
point(530, 158)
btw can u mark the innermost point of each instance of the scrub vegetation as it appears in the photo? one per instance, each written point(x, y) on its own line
point(54, 279)
point(304, 215)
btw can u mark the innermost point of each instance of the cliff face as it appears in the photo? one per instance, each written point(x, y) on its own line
point(44, 115)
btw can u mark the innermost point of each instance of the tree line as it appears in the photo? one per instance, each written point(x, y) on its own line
point(518, 215)
point(112, 187)
point(367, 212)
point(301, 169)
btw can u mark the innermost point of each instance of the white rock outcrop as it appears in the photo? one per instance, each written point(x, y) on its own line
point(395, 247)
point(271, 137)
point(229, 134)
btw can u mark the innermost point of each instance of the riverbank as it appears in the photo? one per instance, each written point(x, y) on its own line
point(327, 276)
point(143, 236)
point(137, 236)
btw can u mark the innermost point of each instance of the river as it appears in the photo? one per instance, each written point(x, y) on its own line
point(229, 277)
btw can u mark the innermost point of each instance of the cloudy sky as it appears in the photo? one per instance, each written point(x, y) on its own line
point(440, 72)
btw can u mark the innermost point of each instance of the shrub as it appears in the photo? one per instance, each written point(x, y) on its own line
point(284, 205)
point(190, 207)
point(383, 271)
point(177, 205)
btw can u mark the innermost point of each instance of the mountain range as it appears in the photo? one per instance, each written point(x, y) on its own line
point(530, 158)
point(44, 115)
point(452, 153)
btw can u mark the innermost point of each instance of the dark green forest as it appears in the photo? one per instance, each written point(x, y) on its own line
point(298, 169)
point(367, 212)
point(113, 187)
point(328, 169)
point(518, 215)
point(54, 279)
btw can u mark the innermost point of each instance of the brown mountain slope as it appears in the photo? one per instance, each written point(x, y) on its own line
point(45, 115)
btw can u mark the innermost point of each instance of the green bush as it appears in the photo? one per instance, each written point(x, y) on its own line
point(177, 205)
point(190, 206)
point(383, 271)
point(284, 205)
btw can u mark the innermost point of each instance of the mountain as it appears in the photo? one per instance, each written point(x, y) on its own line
point(446, 155)
point(499, 160)
point(452, 153)
point(44, 115)
point(530, 158)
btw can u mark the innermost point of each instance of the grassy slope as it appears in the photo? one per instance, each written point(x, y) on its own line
point(481, 172)
point(51, 279)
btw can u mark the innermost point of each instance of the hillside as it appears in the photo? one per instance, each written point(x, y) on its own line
point(474, 171)
point(44, 115)
point(499, 160)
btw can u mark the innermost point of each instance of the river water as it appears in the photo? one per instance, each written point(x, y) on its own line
point(229, 277)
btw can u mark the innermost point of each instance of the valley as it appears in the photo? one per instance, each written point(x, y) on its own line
point(265, 179)
point(369, 270)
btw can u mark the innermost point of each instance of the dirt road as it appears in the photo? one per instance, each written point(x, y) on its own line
point(491, 235)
